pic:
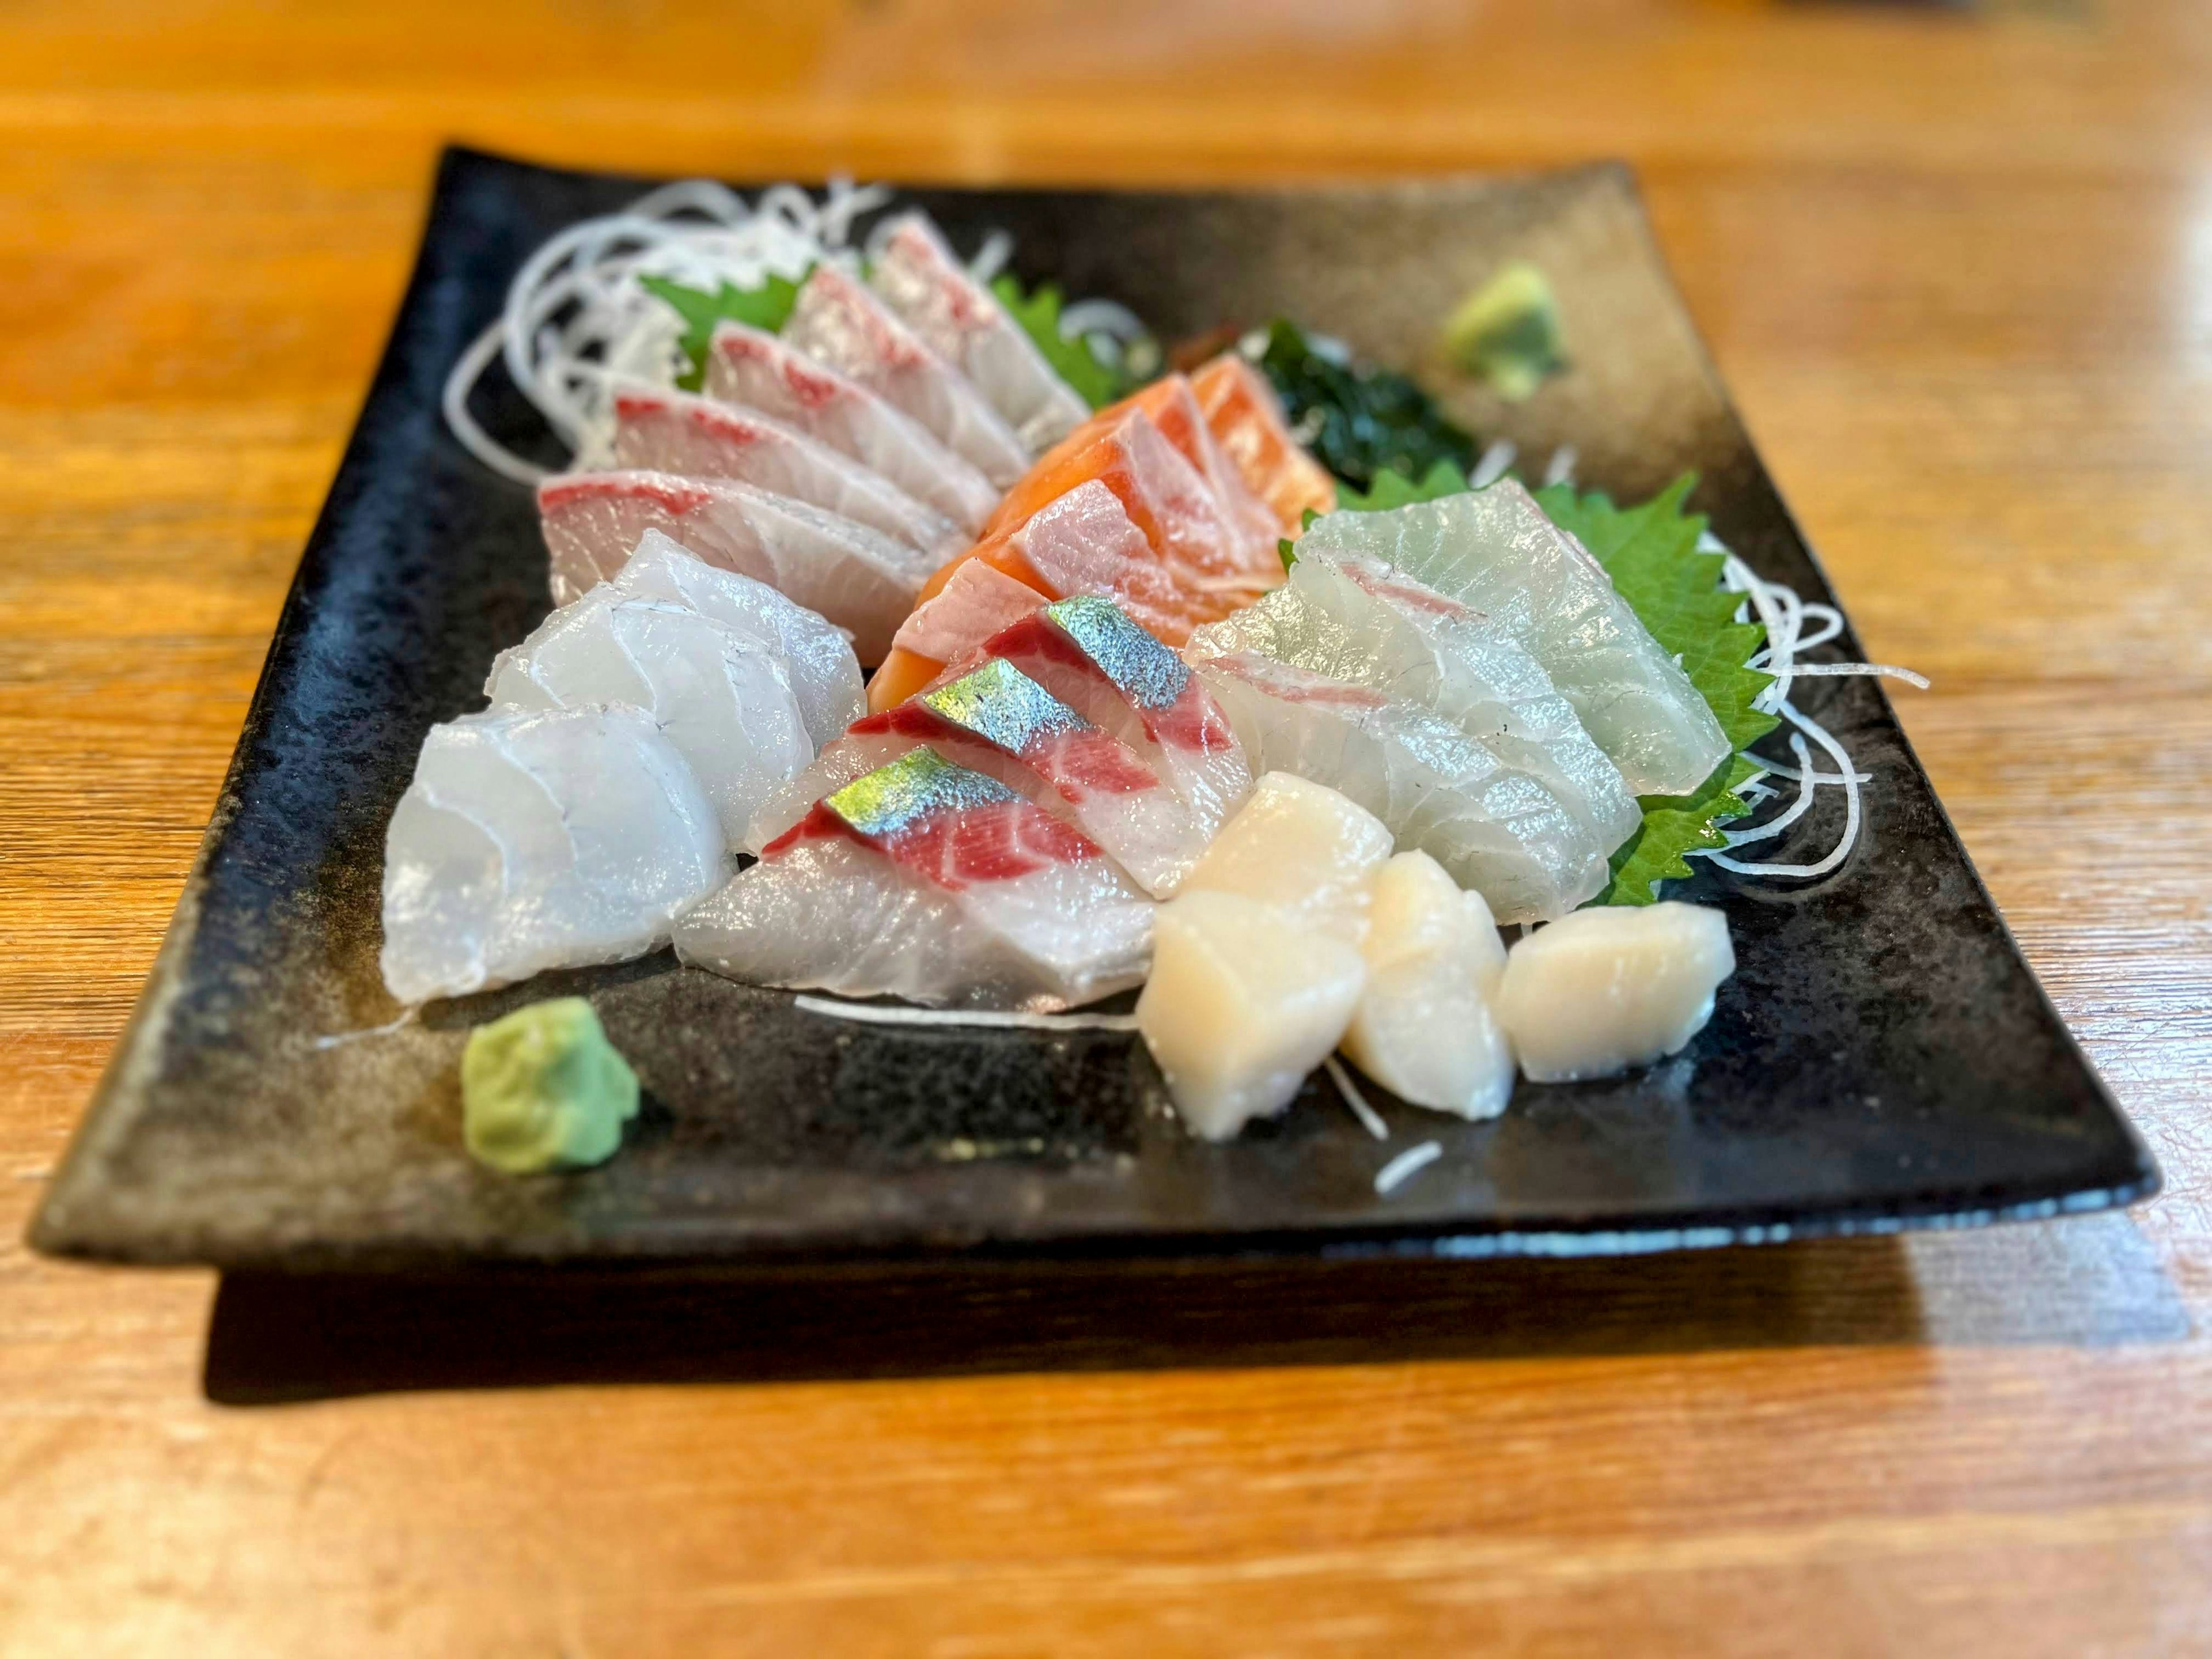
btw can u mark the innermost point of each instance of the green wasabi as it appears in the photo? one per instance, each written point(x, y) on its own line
point(543, 1089)
point(1507, 331)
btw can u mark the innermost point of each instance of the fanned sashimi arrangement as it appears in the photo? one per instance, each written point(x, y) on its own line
point(1256, 688)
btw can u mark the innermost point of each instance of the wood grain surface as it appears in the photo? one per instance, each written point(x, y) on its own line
point(1957, 268)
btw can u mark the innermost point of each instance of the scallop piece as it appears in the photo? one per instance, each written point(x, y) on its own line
point(723, 699)
point(1359, 621)
point(670, 431)
point(857, 578)
point(536, 839)
point(816, 655)
point(1495, 550)
point(754, 368)
point(1494, 827)
point(962, 322)
point(1424, 1029)
point(1613, 986)
point(838, 322)
point(1300, 845)
point(1245, 998)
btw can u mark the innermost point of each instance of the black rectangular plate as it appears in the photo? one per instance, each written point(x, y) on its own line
point(1882, 1058)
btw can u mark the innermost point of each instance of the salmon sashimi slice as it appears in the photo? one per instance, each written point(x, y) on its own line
point(1247, 418)
point(933, 882)
point(997, 721)
point(1085, 652)
point(699, 438)
point(857, 578)
point(755, 369)
point(1172, 404)
point(838, 322)
point(962, 322)
point(948, 627)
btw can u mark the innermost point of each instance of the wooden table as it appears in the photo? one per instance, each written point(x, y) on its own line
point(1959, 272)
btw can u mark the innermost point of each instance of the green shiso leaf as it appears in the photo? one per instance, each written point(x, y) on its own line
point(767, 307)
point(1393, 488)
point(1359, 421)
point(1096, 382)
point(1673, 825)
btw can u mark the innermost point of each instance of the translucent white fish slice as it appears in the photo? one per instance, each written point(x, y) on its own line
point(754, 368)
point(928, 881)
point(839, 322)
point(962, 322)
point(1361, 622)
point(698, 438)
point(1087, 653)
point(1494, 828)
point(530, 840)
point(997, 721)
point(857, 578)
point(1495, 550)
point(816, 655)
point(723, 699)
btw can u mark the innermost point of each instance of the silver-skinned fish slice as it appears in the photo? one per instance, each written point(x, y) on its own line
point(997, 721)
point(1495, 827)
point(1085, 652)
point(754, 368)
point(860, 579)
point(724, 700)
point(962, 322)
point(816, 655)
point(530, 840)
point(668, 431)
point(929, 881)
point(838, 321)
point(1494, 549)
point(1364, 623)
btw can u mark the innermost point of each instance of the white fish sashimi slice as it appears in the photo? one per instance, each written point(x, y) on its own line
point(930, 882)
point(725, 701)
point(997, 721)
point(857, 578)
point(816, 655)
point(530, 840)
point(838, 322)
point(1360, 621)
point(1087, 653)
point(1494, 828)
point(976, 602)
point(1494, 549)
point(1085, 541)
point(964, 323)
point(698, 438)
point(753, 368)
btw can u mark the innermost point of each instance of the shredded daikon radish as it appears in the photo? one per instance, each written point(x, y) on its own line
point(1492, 464)
point(1368, 1119)
point(876, 1013)
point(339, 1039)
point(1793, 626)
point(1399, 1170)
point(1561, 467)
point(578, 313)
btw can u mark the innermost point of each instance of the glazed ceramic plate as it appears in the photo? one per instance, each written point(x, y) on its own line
point(1883, 1057)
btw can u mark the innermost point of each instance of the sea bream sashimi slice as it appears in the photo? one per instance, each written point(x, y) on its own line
point(962, 322)
point(838, 322)
point(724, 700)
point(1087, 653)
point(1494, 827)
point(1495, 550)
point(929, 881)
point(860, 579)
point(674, 432)
point(754, 368)
point(1365, 623)
point(1084, 543)
point(815, 654)
point(1248, 421)
point(536, 839)
point(997, 721)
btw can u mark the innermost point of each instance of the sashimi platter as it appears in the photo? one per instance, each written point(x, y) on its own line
point(1204, 728)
